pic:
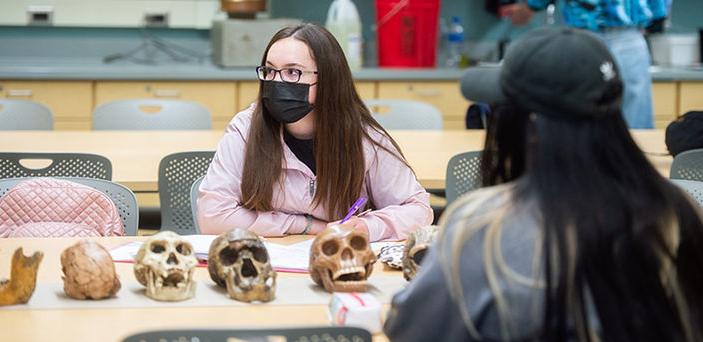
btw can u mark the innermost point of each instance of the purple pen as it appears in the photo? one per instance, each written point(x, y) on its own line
point(354, 208)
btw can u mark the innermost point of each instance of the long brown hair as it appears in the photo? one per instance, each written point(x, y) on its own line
point(341, 123)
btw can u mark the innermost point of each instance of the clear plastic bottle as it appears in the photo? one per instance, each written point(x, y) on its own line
point(455, 43)
point(344, 23)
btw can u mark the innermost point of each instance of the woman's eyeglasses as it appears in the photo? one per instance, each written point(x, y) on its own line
point(288, 75)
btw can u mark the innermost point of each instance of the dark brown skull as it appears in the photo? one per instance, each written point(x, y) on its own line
point(416, 248)
point(341, 259)
point(239, 261)
point(89, 272)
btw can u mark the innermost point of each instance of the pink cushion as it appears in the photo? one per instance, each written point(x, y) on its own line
point(46, 207)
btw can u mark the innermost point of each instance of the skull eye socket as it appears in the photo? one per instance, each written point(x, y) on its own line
point(157, 248)
point(419, 256)
point(259, 254)
point(229, 256)
point(183, 249)
point(330, 247)
point(358, 243)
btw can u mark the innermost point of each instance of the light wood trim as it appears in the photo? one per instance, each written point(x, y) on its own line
point(366, 89)
point(217, 97)
point(247, 92)
point(445, 95)
point(66, 99)
point(690, 97)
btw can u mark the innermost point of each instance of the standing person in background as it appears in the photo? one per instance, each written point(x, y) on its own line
point(620, 24)
point(303, 153)
point(580, 238)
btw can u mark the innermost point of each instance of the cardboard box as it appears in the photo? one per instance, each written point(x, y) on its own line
point(353, 309)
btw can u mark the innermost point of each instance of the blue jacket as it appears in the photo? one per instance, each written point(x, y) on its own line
point(596, 15)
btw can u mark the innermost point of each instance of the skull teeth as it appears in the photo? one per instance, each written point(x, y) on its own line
point(350, 275)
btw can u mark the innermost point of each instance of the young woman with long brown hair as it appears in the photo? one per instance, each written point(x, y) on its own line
point(303, 153)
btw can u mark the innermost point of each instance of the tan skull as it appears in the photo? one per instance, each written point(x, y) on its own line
point(341, 259)
point(416, 248)
point(239, 261)
point(165, 265)
point(89, 272)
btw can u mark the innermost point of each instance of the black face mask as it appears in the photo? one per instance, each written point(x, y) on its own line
point(286, 102)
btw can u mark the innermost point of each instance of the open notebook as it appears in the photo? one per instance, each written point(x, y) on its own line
point(284, 258)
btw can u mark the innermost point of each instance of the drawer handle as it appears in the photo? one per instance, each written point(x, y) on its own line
point(167, 93)
point(19, 92)
point(426, 92)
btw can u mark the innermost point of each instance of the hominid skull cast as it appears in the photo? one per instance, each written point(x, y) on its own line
point(89, 272)
point(239, 261)
point(165, 265)
point(341, 259)
point(416, 248)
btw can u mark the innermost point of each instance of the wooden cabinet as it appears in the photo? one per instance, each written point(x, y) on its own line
point(690, 97)
point(664, 103)
point(446, 96)
point(70, 102)
point(218, 97)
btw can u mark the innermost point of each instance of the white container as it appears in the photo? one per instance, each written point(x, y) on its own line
point(675, 49)
point(344, 23)
point(354, 309)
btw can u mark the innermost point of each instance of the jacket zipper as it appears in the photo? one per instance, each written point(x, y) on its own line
point(311, 188)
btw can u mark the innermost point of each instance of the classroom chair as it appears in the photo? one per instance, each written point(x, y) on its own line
point(405, 114)
point(463, 174)
point(693, 188)
point(688, 165)
point(326, 334)
point(84, 165)
point(194, 202)
point(121, 196)
point(177, 172)
point(24, 115)
point(151, 114)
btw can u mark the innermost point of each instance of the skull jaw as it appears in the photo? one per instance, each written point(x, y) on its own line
point(159, 288)
point(249, 289)
point(337, 282)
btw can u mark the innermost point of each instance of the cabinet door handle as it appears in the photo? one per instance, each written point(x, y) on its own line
point(19, 92)
point(425, 92)
point(167, 93)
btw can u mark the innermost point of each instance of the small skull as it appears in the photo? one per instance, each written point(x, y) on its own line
point(239, 261)
point(341, 259)
point(89, 272)
point(415, 250)
point(165, 265)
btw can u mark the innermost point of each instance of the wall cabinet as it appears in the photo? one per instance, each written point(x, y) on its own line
point(218, 97)
point(664, 103)
point(70, 102)
point(690, 97)
point(443, 95)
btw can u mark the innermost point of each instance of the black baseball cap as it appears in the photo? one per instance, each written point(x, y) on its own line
point(555, 71)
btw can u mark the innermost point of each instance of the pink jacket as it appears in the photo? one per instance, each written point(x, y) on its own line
point(403, 205)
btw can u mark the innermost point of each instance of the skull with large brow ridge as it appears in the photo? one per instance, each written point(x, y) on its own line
point(341, 259)
point(239, 261)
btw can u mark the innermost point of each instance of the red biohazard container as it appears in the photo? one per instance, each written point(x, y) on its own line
point(407, 32)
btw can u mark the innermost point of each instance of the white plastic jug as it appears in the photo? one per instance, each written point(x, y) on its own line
point(344, 23)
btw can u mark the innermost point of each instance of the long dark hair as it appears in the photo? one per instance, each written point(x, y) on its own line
point(616, 234)
point(341, 123)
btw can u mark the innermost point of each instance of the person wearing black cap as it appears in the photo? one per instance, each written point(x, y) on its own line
point(576, 236)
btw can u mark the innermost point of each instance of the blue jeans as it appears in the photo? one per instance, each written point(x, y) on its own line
point(632, 57)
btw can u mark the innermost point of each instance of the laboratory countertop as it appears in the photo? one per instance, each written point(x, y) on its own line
point(96, 69)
